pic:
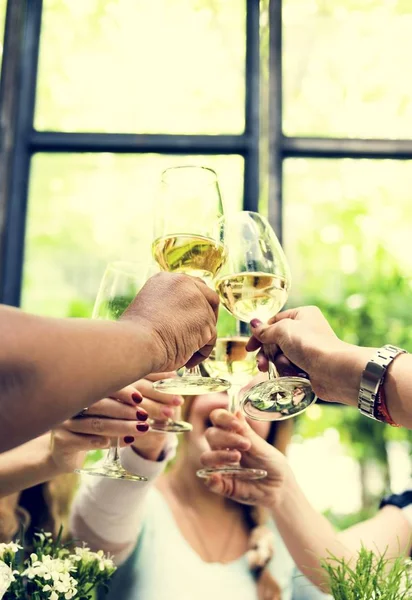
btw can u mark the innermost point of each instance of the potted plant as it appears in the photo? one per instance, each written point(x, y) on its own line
point(371, 577)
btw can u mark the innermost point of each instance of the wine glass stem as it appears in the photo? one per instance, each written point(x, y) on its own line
point(233, 393)
point(113, 456)
point(194, 372)
point(272, 370)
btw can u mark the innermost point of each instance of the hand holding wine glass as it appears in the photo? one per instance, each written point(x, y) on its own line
point(187, 240)
point(229, 359)
point(255, 285)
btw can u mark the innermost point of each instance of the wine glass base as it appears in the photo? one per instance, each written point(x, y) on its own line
point(242, 473)
point(112, 472)
point(191, 385)
point(278, 399)
point(170, 426)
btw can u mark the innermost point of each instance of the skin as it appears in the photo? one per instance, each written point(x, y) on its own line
point(195, 508)
point(308, 536)
point(64, 449)
point(301, 339)
point(51, 369)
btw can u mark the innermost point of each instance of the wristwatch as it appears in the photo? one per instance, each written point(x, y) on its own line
point(372, 378)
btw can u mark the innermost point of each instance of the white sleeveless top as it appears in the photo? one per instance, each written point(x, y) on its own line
point(163, 566)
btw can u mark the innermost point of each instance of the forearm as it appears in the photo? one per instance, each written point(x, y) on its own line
point(52, 368)
point(108, 514)
point(345, 367)
point(308, 535)
point(389, 532)
point(26, 466)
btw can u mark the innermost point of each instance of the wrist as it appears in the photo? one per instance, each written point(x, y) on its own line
point(154, 452)
point(148, 359)
point(343, 368)
point(46, 459)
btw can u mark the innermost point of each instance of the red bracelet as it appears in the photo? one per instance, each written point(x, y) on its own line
point(381, 410)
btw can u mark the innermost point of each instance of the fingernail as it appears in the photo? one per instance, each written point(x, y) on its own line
point(142, 427)
point(128, 439)
point(167, 412)
point(141, 414)
point(136, 398)
point(177, 401)
point(255, 323)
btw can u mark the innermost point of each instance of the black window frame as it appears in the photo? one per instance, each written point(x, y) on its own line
point(19, 141)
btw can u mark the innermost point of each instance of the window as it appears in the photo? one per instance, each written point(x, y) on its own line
point(303, 108)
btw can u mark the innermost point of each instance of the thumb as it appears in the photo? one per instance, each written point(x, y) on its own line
point(257, 443)
point(275, 335)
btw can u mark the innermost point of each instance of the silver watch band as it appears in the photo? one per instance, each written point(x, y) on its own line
point(372, 378)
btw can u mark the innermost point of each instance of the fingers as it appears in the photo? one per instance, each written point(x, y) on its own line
point(158, 411)
point(214, 458)
point(220, 438)
point(262, 362)
point(211, 295)
point(112, 409)
point(201, 354)
point(228, 421)
point(149, 393)
point(128, 395)
point(230, 487)
point(76, 442)
point(103, 427)
point(157, 376)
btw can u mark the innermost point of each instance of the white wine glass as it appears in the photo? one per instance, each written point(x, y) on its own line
point(187, 240)
point(117, 289)
point(230, 359)
point(120, 284)
point(256, 284)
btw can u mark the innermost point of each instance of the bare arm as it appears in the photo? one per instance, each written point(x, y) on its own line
point(310, 537)
point(307, 534)
point(51, 369)
point(302, 336)
point(388, 531)
point(26, 466)
point(346, 368)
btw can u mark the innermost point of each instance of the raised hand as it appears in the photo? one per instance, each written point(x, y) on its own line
point(232, 439)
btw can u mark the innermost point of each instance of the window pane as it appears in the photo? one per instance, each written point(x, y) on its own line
point(158, 66)
point(3, 7)
point(346, 66)
point(347, 235)
point(87, 209)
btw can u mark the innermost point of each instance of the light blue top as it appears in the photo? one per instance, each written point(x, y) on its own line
point(163, 566)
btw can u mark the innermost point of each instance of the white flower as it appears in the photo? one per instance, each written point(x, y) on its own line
point(55, 572)
point(6, 578)
point(87, 556)
point(11, 548)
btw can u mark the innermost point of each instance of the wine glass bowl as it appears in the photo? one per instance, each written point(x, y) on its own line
point(187, 240)
point(255, 285)
point(230, 359)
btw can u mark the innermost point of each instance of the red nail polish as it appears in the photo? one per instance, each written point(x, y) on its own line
point(136, 398)
point(141, 414)
point(128, 439)
point(255, 323)
point(142, 427)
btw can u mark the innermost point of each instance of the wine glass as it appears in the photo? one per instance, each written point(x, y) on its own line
point(230, 359)
point(256, 284)
point(187, 240)
point(120, 284)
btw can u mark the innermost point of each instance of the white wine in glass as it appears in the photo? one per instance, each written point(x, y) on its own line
point(230, 359)
point(256, 284)
point(120, 283)
point(188, 240)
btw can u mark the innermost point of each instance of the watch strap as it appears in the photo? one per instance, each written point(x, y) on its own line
point(372, 378)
